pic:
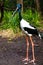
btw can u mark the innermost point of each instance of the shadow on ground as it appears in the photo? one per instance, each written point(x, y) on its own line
point(12, 51)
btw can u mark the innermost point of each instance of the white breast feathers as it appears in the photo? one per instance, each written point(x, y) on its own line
point(24, 23)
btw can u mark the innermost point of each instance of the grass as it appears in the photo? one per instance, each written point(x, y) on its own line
point(13, 22)
point(10, 22)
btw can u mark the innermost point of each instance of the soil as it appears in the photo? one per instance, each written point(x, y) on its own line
point(13, 51)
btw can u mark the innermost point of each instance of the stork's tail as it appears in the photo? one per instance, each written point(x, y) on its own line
point(41, 35)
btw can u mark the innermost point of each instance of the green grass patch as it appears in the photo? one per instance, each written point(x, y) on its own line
point(13, 22)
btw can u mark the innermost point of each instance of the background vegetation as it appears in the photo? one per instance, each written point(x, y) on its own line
point(31, 13)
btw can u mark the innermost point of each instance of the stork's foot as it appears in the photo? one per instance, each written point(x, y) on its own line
point(26, 60)
point(33, 61)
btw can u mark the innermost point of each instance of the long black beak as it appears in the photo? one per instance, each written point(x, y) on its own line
point(15, 11)
point(13, 14)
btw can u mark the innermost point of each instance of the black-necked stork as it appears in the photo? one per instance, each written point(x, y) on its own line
point(29, 31)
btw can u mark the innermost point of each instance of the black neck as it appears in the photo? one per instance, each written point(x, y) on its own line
point(20, 17)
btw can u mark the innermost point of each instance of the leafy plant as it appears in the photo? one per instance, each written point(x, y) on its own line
point(32, 18)
point(10, 22)
point(13, 22)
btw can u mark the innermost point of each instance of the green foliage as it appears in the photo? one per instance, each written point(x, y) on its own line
point(32, 18)
point(5, 23)
point(10, 22)
point(13, 22)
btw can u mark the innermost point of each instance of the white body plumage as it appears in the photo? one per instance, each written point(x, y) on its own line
point(23, 24)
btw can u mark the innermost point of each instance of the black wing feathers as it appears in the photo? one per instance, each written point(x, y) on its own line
point(31, 31)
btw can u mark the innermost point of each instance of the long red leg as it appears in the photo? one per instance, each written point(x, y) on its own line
point(33, 55)
point(27, 43)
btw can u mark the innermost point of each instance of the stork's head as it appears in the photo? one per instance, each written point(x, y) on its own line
point(18, 9)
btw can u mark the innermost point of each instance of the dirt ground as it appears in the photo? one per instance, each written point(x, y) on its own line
point(13, 51)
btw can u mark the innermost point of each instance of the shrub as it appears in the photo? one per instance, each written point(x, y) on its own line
point(13, 22)
point(10, 22)
point(32, 18)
